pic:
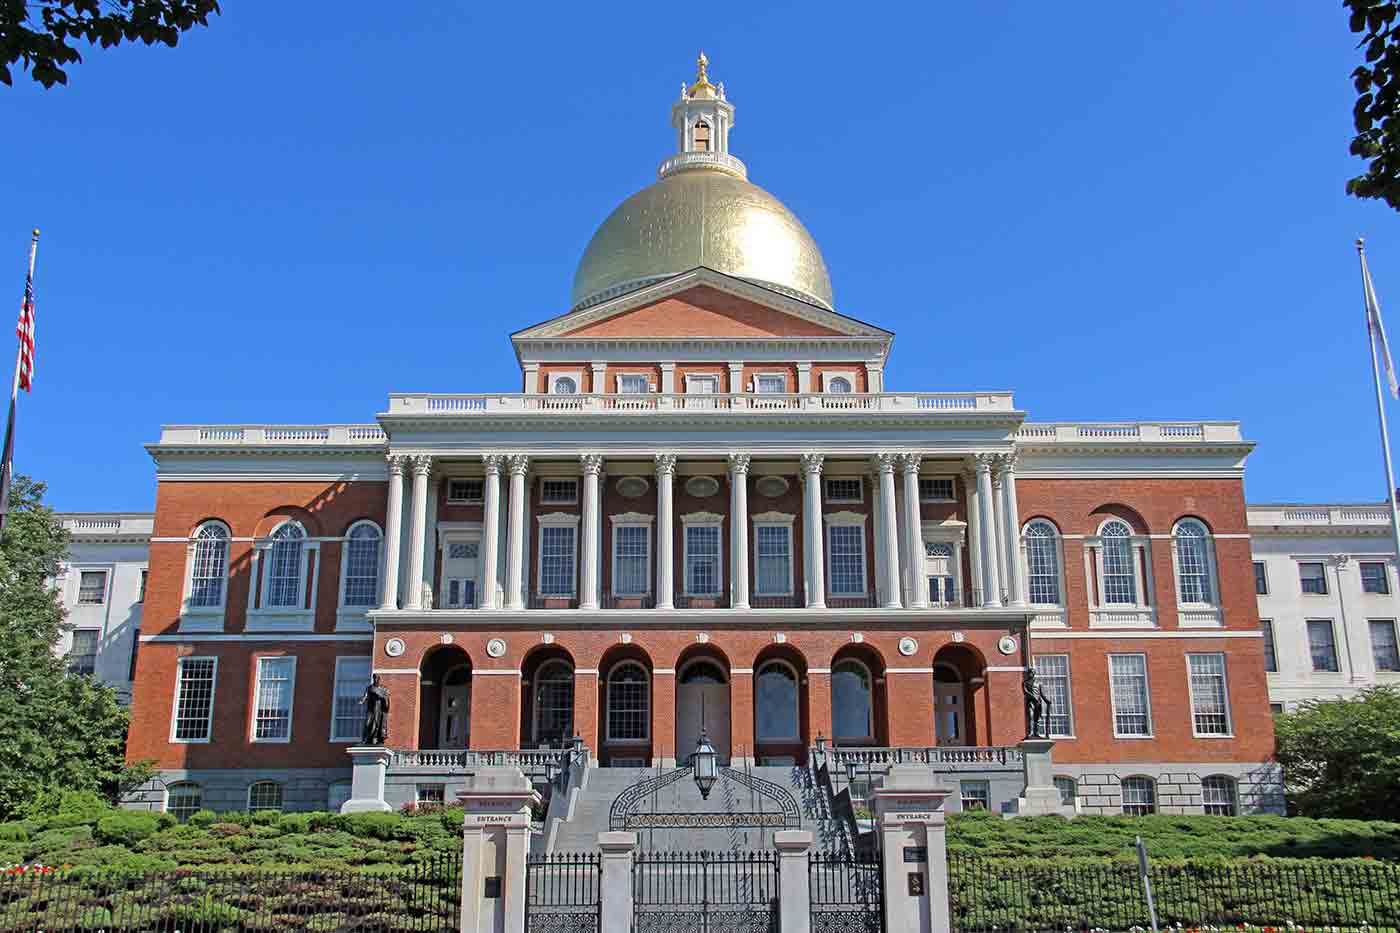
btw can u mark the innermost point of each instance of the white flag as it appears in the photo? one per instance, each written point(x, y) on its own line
point(1377, 328)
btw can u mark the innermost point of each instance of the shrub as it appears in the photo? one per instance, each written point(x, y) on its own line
point(128, 827)
point(14, 832)
point(266, 817)
point(294, 824)
point(202, 818)
point(58, 807)
point(375, 825)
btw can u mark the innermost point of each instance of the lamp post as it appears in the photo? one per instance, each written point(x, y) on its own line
point(705, 765)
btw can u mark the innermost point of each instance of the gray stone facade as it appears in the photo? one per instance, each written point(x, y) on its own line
point(226, 789)
point(1259, 787)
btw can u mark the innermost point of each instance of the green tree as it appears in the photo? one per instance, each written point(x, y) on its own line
point(57, 730)
point(1376, 114)
point(1341, 758)
point(40, 33)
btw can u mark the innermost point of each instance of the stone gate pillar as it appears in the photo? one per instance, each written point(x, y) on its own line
point(495, 844)
point(913, 844)
point(615, 885)
point(794, 887)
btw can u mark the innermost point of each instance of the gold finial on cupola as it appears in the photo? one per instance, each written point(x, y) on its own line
point(702, 87)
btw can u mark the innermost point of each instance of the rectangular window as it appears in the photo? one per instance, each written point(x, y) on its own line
point(843, 490)
point(194, 699)
point(430, 795)
point(1373, 578)
point(558, 491)
point(1383, 647)
point(1052, 670)
point(846, 547)
point(631, 560)
point(702, 571)
point(702, 385)
point(264, 795)
point(557, 560)
point(92, 588)
point(1210, 703)
point(272, 719)
point(1261, 579)
point(1313, 578)
point(141, 597)
point(82, 657)
point(1322, 645)
point(633, 384)
point(465, 490)
point(772, 548)
point(770, 383)
point(348, 715)
point(976, 795)
point(1132, 709)
point(1276, 709)
point(939, 569)
point(131, 665)
point(936, 489)
point(1218, 796)
point(1270, 654)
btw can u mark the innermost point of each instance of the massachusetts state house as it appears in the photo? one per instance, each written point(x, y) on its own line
point(703, 506)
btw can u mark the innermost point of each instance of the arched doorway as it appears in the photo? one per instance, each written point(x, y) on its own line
point(624, 708)
point(702, 700)
point(445, 699)
point(858, 709)
point(547, 707)
point(959, 675)
point(779, 707)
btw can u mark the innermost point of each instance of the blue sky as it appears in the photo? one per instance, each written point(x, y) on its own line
point(1117, 211)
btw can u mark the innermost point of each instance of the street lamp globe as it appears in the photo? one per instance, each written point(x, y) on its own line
point(705, 764)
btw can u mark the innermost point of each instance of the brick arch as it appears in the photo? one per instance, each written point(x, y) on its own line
point(436, 663)
point(768, 748)
point(610, 749)
point(874, 662)
point(274, 517)
point(534, 661)
point(970, 664)
point(1118, 510)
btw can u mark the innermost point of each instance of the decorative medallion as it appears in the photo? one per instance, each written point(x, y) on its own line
point(445, 638)
point(702, 487)
point(702, 637)
point(779, 637)
point(625, 638)
point(959, 637)
point(632, 487)
point(770, 486)
point(394, 647)
point(907, 646)
point(857, 637)
point(1006, 644)
point(547, 638)
point(496, 647)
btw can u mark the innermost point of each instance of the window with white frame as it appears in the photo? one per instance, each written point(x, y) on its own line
point(629, 706)
point(1383, 646)
point(941, 571)
point(558, 557)
point(459, 573)
point(1261, 578)
point(631, 559)
point(1194, 574)
point(845, 548)
point(1374, 578)
point(209, 566)
point(564, 385)
point(1312, 577)
point(465, 490)
point(702, 384)
point(1042, 563)
point(1052, 671)
point(1219, 795)
point(558, 491)
point(937, 489)
point(1132, 707)
point(264, 795)
point(839, 385)
point(284, 567)
point(347, 715)
point(1068, 788)
point(272, 716)
point(844, 489)
point(633, 384)
point(775, 703)
point(852, 703)
point(976, 795)
point(770, 383)
point(1118, 564)
point(702, 560)
point(361, 587)
point(82, 656)
point(1322, 646)
point(1139, 795)
point(429, 795)
point(1210, 697)
point(1266, 626)
point(772, 548)
point(194, 699)
point(92, 587)
point(183, 800)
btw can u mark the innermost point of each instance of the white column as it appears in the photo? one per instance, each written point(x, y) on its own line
point(889, 520)
point(592, 465)
point(874, 378)
point(736, 378)
point(914, 531)
point(490, 531)
point(531, 378)
point(1011, 530)
point(668, 378)
point(804, 378)
point(991, 589)
point(393, 531)
point(738, 531)
point(812, 552)
point(519, 465)
point(665, 541)
point(974, 538)
point(417, 531)
point(599, 372)
point(998, 534)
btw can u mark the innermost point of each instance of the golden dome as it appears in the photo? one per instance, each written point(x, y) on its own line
point(702, 216)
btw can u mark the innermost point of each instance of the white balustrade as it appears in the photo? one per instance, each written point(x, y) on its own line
point(279, 435)
point(931, 402)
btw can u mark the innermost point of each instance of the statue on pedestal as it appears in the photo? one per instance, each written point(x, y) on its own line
point(1037, 706)
point(376, 702)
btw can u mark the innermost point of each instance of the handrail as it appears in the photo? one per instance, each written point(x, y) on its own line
point(934, 755)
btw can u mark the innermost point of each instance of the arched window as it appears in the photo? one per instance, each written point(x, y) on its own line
point(284, 570)
point(839, 385)
point(554, 703)
point(702, 137)
point(361, 587)
point(852, 702)
point(1043, 563)
point(703, 672)
point(1068, 790)
point(775, 695)
point(183, 800)
point(209, 566)
point(264, 795)
point(1220, 795)
point(629, 703)
point(1119, 567)
point(1193, 562)
point(1139, 795)
point(565, 385)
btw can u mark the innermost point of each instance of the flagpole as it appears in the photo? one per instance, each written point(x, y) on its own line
point(1370, 298)
point(7, 467)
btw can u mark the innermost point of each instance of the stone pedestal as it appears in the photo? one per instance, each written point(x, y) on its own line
point(794, 887)
point(914, 846)
point(615, 885)
point(495, 844)
point(370, 762)
point(1041, 797)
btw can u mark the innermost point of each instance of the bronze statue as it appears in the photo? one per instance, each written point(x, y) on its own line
point(1037, 707)
point(376, 701)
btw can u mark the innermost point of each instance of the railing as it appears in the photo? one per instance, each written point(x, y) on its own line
point(1175, 432)
point(254, 435)
point(686, 601)
point(705, 891)
point(791, 601)
point(846, 893)
point(672, 402)
point(1319, 515)
point(98, 523)
point(563, 892)
point(545, 761)
point(967, 757)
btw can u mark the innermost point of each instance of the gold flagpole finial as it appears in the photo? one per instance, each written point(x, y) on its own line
point(36, 233)
point(1360, 243)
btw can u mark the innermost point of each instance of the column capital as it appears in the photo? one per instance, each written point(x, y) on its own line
point(493, 463)
point(812, 464)
point(665, 464)
point(909, 463)
point(739, 464)
point(1006, 463)
point(396, 463)
point(519, 464)
point(984, 462)
point(884, 462)
point(592, 464)
point(422, 464)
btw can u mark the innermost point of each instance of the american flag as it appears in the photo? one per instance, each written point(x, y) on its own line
point(25, 331)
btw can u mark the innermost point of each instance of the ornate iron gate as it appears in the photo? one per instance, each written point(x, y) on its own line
point(847, 893)
point(705, 892)
point(563, 893)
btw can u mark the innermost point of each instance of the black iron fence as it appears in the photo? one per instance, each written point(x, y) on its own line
point(705, 892)
point(563, 892)
point(425, 897)
point(987, 895)
point(846, 892)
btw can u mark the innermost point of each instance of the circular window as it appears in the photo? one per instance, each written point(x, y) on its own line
point(565, 385)
point(770, 486)
point(702, 487)
point(632, 487)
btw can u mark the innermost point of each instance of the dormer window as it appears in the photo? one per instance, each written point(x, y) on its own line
point(702, 137)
